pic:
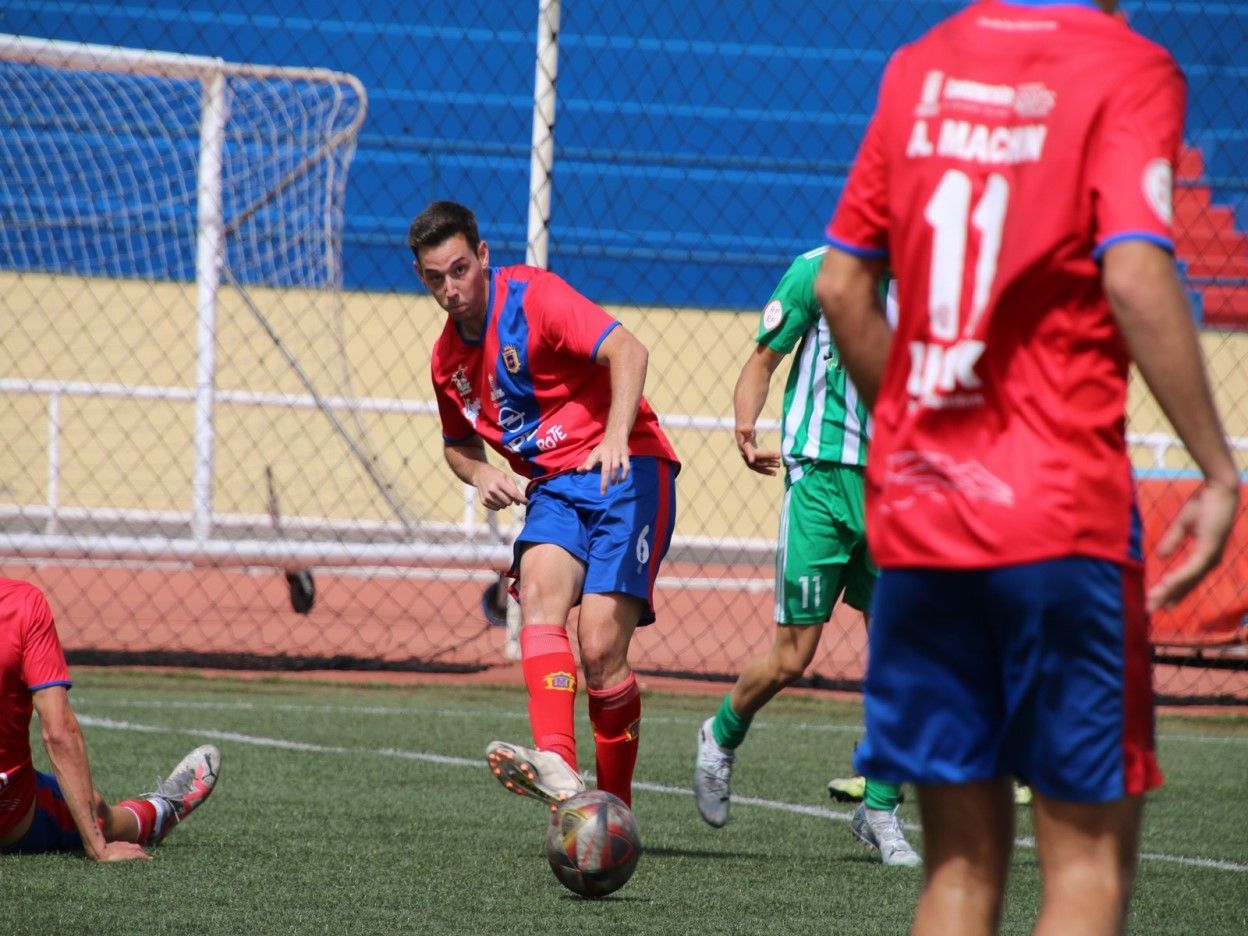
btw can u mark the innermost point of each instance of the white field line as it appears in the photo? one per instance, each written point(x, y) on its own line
point(819, 812)
point(407, 712)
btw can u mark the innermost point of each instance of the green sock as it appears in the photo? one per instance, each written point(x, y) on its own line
point(729, 728)
point(881, 795)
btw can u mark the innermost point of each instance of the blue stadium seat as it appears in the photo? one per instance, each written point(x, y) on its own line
point(684, 143)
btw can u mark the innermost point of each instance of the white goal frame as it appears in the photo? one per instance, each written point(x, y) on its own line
point(208, 540)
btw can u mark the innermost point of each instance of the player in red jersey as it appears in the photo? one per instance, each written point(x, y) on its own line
point(63, 811)
point(554, 384)
point(1016, 176)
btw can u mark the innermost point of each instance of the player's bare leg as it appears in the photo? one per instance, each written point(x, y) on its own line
point(118, 825)
point(763, 677)
point(968, 835)
point(1087, 857)
point(550, 583)
point(792, 649)
point(604, 632)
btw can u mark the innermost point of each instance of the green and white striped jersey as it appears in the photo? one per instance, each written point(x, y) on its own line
point(824, 420)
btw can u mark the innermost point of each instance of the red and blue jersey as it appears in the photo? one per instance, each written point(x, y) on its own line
point(1010, 147)
point(530, 386)
point(31, 658)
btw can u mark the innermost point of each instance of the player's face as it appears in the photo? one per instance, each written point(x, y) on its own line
point(456, 276)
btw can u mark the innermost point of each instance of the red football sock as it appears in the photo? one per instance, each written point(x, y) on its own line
point(550, 676)
point(615, 714)
point(144, 812)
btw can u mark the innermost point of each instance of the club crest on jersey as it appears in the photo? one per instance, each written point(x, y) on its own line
point(511, 359)
point(773, 314)
point(563, 682)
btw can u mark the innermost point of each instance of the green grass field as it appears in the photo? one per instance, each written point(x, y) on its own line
point(369, 809)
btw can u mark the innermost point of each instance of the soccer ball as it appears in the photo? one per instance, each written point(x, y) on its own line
point(592, 843)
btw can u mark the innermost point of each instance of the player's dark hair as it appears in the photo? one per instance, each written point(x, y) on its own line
point(439, 222)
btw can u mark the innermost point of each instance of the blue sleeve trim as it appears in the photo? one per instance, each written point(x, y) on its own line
point(456, 440)
point(1049, 3)
point(48, 685)
point(593, 355)
point(1163, 242)
point(866, 253)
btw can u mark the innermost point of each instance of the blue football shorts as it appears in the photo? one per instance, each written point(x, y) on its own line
point(1039, 670)
point(620, 537)
point(52, 828)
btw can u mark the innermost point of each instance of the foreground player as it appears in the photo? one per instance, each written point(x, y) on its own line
point(554, 384)
point(822, 550)
point(64, 812)
point(1017, 178)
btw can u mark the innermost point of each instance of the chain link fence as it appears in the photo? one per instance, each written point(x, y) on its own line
point(223, 445)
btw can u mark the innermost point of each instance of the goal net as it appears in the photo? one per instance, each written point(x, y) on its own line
point(170, 257)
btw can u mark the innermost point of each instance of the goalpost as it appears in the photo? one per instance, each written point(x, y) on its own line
point(205, 199)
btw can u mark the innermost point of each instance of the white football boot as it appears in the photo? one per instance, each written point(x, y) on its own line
point(542, 775)
point(184, 790)
point(879, 830)
point(711, 772)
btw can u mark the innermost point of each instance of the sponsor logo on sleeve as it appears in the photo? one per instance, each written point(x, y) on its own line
point(1158, 185)
point(773, 314)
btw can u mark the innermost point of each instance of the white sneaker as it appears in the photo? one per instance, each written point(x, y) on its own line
point(879, 830)
point(711, 771)
point(542, 775)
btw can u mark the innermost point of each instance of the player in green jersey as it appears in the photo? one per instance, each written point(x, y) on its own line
point(822, 550)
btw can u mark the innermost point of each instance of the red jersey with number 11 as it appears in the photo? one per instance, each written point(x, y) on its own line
point(1011, 145)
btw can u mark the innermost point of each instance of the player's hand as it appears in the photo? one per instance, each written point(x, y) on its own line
point(767, 463)
point(611, 456)
point(122, 851)
point(1206, 519)
point(497, 489)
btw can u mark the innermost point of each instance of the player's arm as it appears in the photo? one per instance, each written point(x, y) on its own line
point(627, 360)
point(847, 289)
point(67, 750)
point(1147, 299)
point(467, 459)
point(748, 399)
